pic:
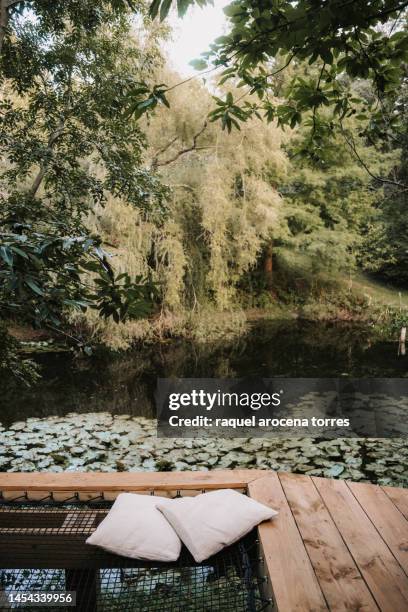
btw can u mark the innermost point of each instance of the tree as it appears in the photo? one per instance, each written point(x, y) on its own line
point(226, 204)
point(54, 16)
point(329, 202)
point(66, 143)
point(384, 250)
point(344, 39)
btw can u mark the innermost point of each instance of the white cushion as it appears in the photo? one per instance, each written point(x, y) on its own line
point(135, 528)
point(209, 522)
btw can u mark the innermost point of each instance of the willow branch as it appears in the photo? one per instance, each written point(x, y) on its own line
point(186, 150)
point(155, 159)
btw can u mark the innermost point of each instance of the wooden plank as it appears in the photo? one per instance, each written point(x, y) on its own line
point(86, 496)
point(388, 520)
point(336, 571)
point(125, 481)
point(292, 578)
point(384, 576)
point(399, 497)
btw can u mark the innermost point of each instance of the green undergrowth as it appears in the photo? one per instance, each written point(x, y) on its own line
point(303, 288)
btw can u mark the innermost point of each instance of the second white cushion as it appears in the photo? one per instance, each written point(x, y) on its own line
point(135, 528)
point(209, 522)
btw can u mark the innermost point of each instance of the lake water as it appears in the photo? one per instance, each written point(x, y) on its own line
point(125, 384)
point(90, 413)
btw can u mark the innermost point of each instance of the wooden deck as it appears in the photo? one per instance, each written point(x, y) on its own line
point(335, 545)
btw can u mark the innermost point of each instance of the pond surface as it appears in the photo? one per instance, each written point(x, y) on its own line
point(105, 443)
point(125, 384)
point(97, 414)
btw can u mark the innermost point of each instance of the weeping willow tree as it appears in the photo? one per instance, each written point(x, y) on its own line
point(223, 210)
point(240, 205)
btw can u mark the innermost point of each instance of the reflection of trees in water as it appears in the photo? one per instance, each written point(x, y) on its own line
point(125, 383)
point(303, 348)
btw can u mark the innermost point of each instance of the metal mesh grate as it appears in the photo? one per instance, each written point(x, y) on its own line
point(42, 549)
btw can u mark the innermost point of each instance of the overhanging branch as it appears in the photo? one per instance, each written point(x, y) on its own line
point(352, 145)
point(186, 150)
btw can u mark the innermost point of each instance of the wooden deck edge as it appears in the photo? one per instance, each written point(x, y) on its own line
point(256, 490)
point(286, 564)
point(127, 481)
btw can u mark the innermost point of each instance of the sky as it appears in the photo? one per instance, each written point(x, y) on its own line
point(193, 34)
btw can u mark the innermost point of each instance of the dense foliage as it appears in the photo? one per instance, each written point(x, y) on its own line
point(119, 193)
point(344, 39)
point(385, 249)
point(65, 145)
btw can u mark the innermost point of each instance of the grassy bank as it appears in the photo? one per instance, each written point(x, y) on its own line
point(356, 298)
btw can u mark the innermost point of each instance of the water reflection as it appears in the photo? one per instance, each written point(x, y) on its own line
point(125, 384)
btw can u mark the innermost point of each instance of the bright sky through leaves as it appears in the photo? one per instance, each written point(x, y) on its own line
point(194, 34)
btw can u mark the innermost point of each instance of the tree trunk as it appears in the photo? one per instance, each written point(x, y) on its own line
point(268, 265)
